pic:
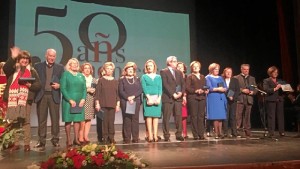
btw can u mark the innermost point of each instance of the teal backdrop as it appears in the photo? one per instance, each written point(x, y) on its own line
point(97, 33)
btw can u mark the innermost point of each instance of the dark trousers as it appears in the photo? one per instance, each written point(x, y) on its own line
point(275, 109)
point(231, 117)
point(99, 129)
point(197, 113)
point(108, 130)
point(173, 108)
point(131, 125)
point(243, 114)
point(45, 104)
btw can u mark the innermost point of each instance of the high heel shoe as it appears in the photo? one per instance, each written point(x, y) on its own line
point(76, 143)
point(86, 141)
point(150, 140)
point(68, 145)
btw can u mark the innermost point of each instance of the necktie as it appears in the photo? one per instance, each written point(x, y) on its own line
point(173, 72)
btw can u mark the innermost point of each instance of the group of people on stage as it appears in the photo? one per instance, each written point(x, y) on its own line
point(221, 99)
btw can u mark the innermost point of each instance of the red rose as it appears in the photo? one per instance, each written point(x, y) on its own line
point(77, 160)
point(72, 153)
point(121, 155)
point(48, 164)
point(2, 129)
point(98, 159)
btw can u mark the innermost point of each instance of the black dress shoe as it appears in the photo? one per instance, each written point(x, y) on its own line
point(39, 145)
point(180, 138)
point(201, 138)
point(135, 140)
point(167, 140)
point(55, 144)
point(282, 134)
point(126, 141)
point(196, 138)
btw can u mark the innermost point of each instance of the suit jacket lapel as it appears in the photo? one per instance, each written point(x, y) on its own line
point(170, 73)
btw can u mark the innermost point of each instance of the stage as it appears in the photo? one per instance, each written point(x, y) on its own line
point(254, 152)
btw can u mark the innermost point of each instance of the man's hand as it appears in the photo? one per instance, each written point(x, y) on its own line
point(55, 85)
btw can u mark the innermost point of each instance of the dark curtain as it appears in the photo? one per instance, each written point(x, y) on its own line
point(286, 66)
point(297, 34)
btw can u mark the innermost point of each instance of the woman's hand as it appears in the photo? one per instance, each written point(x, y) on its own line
point(15, 52)
point(91, 90)
point(72, 102)
point(81, 103)
point(117, 108)
point(157, 101)
point(28, 84)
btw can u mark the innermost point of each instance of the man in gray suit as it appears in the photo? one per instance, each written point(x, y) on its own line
point(173, 89)
point(247, 85)
point(48, 98)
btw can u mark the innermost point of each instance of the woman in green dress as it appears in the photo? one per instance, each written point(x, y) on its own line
point(73, 89)
point(152, 88)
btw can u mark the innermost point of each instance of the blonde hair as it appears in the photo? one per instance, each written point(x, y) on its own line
point(67, 67)
point(212, 66)
point(106, 64)
point(90, 65)
point(154, 69)
point(128, 65)
point(193, 63)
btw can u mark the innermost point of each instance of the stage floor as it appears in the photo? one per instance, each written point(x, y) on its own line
point(209, 153)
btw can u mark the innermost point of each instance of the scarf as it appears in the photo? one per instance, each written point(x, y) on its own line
point(17, 95)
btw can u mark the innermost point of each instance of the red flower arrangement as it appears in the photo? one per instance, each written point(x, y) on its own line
point(92, 156)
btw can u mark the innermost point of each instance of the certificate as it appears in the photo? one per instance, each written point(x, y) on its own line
point(130, 107)
point(230, 93)
point(286, 88)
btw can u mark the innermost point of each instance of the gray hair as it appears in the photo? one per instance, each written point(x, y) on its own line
point(169, 59)
point(52, 50)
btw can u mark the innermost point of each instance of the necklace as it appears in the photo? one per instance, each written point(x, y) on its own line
point(128, 80)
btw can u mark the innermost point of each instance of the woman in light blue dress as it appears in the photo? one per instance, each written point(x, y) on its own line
point(216, 99)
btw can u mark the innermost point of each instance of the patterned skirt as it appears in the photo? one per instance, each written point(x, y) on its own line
point(89, 107)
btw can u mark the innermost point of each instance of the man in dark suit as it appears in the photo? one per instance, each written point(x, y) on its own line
point(245, 99)
point(48, 98)
point(173, 89)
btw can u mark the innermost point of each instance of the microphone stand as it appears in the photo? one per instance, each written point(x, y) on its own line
point(263, 93)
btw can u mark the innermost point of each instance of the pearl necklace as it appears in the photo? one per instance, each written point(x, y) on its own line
point(128, 80)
